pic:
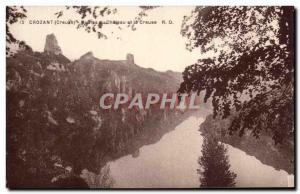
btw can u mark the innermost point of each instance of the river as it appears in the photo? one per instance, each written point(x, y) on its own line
point(172, 163)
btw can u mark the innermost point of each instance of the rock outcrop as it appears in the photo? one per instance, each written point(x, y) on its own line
point(86, 56)
point(263, 148)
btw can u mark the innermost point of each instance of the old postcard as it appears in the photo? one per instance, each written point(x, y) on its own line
point(150, 97)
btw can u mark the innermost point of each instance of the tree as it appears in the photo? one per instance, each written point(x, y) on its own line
point(214, 165)
point(250, 70)
point(13, 15)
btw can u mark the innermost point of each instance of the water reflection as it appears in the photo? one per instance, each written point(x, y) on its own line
point(172, 163)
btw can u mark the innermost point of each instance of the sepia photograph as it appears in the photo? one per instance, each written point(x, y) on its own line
point(150, 97)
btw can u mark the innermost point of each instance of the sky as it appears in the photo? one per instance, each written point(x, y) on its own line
point(158, 46)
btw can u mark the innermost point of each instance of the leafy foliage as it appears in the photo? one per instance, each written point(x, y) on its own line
point(94, 14)
point(214, 165)
point(13, 15)
point(250, 65)
point(89, 12)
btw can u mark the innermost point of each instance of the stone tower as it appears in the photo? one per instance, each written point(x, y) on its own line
point(51, 45)
point(130, 59)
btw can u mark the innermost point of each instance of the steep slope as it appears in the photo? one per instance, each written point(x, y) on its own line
point(55, 125)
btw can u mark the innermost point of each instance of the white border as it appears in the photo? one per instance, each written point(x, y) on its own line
point(152, 2)
point(3, 3)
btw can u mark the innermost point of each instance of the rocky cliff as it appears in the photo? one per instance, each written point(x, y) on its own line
point(54, 123)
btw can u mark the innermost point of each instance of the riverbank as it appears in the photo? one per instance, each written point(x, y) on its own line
point(172, 162)
point(264, 148)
